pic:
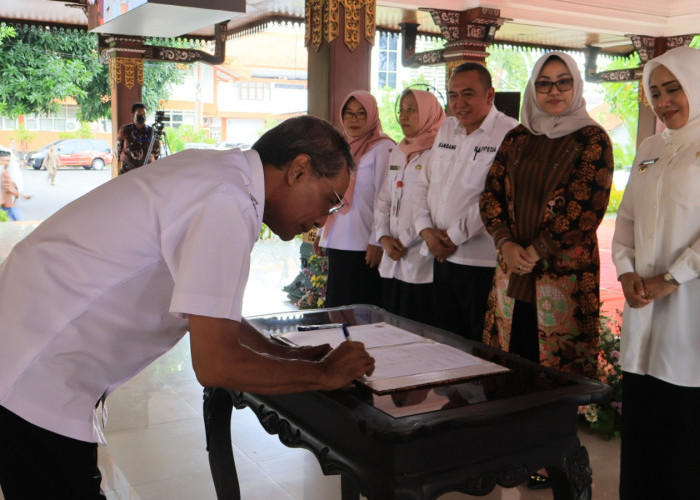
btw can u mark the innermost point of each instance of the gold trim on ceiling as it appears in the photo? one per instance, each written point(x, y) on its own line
point(323, 22)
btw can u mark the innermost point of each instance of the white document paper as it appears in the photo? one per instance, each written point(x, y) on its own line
point(402, 359)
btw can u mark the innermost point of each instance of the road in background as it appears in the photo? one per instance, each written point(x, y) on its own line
point(71, 183)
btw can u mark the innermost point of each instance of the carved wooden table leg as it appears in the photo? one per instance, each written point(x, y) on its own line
point(348, 488)
point(217, 425)
point(574, 482)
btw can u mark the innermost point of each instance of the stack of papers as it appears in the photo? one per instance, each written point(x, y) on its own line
point(403, 360)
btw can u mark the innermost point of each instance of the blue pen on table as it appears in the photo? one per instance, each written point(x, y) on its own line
point(346, 332)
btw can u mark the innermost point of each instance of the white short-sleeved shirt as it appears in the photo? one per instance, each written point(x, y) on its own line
point(447, 192)
point(103, 287)
point(354, 230)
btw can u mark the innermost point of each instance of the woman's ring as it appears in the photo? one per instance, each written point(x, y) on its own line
point(520, 268)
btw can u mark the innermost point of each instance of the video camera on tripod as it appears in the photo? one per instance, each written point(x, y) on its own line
point(157, 131)
point(160, 121)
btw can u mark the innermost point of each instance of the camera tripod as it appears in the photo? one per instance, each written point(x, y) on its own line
point(159, 135)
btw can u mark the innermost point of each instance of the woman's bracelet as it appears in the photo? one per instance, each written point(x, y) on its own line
point(502, 242)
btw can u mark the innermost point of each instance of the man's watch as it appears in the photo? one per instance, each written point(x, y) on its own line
point(668, 278)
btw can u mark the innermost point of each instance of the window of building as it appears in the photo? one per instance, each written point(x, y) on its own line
point(253, 91)
point(388, 56)
point(8, 123)
point(65, 120)
point(179, 117)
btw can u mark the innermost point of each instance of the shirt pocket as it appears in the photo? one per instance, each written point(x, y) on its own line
point(477, 169)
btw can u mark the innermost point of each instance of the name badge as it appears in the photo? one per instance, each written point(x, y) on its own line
point(393, 167)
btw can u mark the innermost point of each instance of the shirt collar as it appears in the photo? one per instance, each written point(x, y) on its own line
point(256, 188)
point(489, 123)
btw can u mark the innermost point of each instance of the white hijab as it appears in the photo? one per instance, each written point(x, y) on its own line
point(539, 122)
point(684, 63)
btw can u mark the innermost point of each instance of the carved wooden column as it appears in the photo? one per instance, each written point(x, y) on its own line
point(648, 47)
point(339, 37)
point(468, 34)
point(125, 58)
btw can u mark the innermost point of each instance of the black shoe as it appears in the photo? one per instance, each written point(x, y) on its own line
point(537, 482)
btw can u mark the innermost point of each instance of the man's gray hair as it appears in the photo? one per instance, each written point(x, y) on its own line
point(328, 149)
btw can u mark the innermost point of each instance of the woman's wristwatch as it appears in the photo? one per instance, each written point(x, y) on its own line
point(668, 278)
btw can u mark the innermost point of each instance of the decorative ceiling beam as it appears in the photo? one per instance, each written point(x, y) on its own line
point(122, 46)
point(468, 33)
point(647, 47)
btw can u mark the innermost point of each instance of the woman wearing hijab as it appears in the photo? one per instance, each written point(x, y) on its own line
point(656, 250)
point(545, 196)
point(407, 274)
point(348, 236)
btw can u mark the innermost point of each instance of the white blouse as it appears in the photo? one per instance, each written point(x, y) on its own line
point(353, 230)
point(658, 230)
point(393, 216)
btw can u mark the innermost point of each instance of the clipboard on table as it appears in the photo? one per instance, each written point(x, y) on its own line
point(403, 360)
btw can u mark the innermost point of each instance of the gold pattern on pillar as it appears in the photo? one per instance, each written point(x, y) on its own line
point(125, 70)
point(323, 22)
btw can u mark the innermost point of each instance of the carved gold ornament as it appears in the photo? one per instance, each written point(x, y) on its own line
point(323, 22)
point(125, 70)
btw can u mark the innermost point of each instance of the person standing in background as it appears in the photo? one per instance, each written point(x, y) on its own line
point(545, 196)
point(656, 250)
point(51, 164)
point(134, 139)
point(446, 198)
point(348, 237)
point(8, 188)
point(407, 275)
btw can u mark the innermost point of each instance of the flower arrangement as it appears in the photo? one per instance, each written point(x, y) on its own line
point(313, 288)
point(607, 417)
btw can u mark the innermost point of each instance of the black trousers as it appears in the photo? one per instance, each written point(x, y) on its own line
point(409, 300)
point(660, 447)
point(39, 464)
point(524, 334)
point(351, 280)
point(460, 297)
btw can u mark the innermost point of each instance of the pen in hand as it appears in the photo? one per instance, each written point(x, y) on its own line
point(346, 332)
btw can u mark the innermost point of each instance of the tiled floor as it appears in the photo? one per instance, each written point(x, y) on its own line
point(156, 438)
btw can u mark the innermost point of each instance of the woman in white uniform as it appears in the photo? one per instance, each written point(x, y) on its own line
point(656, 249)
point(408, 275)
point(348, 236)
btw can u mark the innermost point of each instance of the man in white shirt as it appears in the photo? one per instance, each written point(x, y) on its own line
point(447, 201)
point(120, 283)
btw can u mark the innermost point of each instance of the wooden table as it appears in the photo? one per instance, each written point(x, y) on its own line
point(420, 444)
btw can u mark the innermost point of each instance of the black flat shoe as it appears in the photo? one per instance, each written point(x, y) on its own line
point(538, 481)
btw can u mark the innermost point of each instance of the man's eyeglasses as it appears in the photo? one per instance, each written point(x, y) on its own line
point(545, 86)
point(360, 115)
point(341, 203)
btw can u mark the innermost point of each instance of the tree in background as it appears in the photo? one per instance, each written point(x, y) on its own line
point(178, 137)
point(623, 99)
point(40, 67)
